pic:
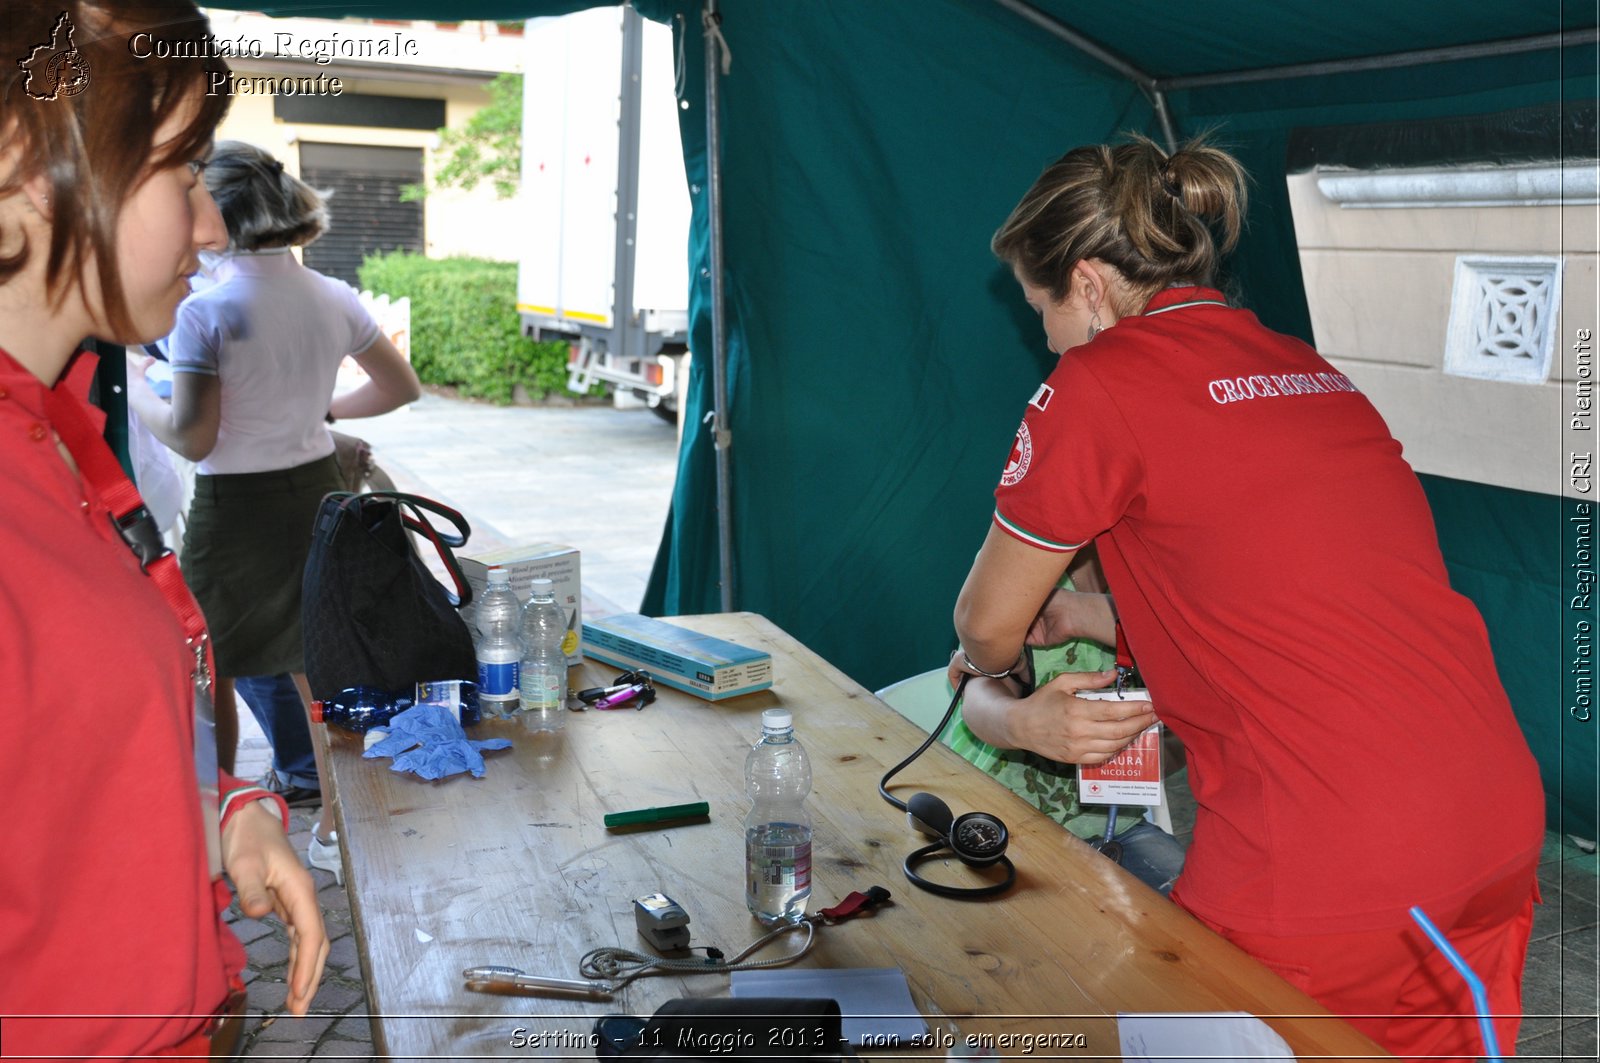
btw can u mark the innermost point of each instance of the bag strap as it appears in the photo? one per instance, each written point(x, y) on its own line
point(416, 521)
point(463, 530)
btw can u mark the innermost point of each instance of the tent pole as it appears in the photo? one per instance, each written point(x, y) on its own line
point(1158, 100)
point(1103, 55)
point(1086, 45)
point(1392, 61)
point(711, 20)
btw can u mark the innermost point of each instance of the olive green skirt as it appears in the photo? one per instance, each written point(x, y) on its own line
point(244, 552)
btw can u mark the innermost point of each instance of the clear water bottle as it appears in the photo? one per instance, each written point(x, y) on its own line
point(544, 662)
point(777, 832)
point(499, 645)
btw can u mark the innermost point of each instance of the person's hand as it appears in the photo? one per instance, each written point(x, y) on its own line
point(268, 877)
point(1068, 615)
point(1054, 722)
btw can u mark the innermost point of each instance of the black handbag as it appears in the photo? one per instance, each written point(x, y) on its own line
point(372, 612)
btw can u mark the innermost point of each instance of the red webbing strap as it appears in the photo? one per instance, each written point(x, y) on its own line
point(1124, 659)
point(104, 475)
point(856, 903)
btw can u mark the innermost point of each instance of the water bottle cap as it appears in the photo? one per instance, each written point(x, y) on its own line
point(777, 720)
point(543, 588)
point(500, 577)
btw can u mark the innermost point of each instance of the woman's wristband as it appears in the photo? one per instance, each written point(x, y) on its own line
point(1012, 667)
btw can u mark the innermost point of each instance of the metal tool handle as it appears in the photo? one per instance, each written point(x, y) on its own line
point(495, 979)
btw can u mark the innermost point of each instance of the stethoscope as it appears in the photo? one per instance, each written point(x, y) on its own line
point(977, 839)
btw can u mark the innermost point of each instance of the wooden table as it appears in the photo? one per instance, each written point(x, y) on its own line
point(516, 868)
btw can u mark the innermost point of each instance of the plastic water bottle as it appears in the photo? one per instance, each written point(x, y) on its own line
point(544, 663)
point(359, 708)
point(499, 646)
point(777, 832)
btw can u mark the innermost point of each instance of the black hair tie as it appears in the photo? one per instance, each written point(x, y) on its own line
point(1170, 186)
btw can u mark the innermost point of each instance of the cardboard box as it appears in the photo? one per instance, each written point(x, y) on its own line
point(552, 561)
point(710, 667)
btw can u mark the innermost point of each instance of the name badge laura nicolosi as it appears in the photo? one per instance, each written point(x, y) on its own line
point(1132, 777)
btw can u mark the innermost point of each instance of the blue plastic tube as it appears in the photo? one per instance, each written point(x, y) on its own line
point(1480, 999)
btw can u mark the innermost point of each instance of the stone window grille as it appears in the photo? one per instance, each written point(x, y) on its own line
point(1503, 318)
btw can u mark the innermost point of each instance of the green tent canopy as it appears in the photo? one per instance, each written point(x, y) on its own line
point(878, 358)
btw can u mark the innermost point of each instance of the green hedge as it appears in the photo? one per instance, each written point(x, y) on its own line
point(465, 331)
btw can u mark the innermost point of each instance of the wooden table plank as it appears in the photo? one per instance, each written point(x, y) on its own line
point(516, 868)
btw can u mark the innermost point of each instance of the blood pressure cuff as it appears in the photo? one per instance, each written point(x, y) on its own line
point(721, 1028)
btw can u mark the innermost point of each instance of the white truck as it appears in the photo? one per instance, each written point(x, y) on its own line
point(606, 220)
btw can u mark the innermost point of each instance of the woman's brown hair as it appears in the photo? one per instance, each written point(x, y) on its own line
point(1132, 206)
point(262, 204)
point(93, 137)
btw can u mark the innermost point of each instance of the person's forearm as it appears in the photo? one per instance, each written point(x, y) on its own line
point(1001, 598)
point(370, 400)
point(156, 414)
point(990, 642)
point(190, 422)
point(1093, 617)
point(990, 706)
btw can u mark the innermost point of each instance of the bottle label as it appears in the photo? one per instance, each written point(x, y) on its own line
point(497, 680)
point(543, 688)
point(774, 864)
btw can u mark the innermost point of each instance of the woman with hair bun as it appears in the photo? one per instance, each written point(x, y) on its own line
point(1273, 563)
point(254, 358)
point(119, 825)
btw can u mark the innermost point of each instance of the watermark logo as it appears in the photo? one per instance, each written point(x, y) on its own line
point(57, 68)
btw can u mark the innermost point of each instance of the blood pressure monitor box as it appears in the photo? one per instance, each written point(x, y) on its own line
point(552, 561)
point(704, 665)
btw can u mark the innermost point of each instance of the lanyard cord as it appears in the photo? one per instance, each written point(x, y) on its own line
point(1124, 660)
point(619, 966)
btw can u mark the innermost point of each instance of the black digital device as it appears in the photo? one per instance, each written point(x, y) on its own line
point(977, 839)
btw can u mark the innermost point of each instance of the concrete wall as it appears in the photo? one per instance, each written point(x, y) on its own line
point(1379, 283)
point(452, 63)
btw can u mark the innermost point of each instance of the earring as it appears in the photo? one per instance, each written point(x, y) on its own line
point(1095, 328)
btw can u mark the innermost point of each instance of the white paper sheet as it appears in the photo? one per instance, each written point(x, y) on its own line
point(1200, 1037)
point(875, 1002)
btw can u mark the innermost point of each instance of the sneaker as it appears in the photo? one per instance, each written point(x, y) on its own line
point(293, 796)
point(326, 855)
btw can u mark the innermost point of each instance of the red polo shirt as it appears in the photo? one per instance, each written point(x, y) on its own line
point(1275, 565)
point(107, 908)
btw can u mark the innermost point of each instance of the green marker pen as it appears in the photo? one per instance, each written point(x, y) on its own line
point(662, 814)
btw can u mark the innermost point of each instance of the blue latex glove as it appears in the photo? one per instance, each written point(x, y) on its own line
point(427, 740)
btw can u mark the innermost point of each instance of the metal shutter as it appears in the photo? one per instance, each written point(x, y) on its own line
point(364, 207)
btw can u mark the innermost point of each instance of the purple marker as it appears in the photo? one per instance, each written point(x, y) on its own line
point(628, 693)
